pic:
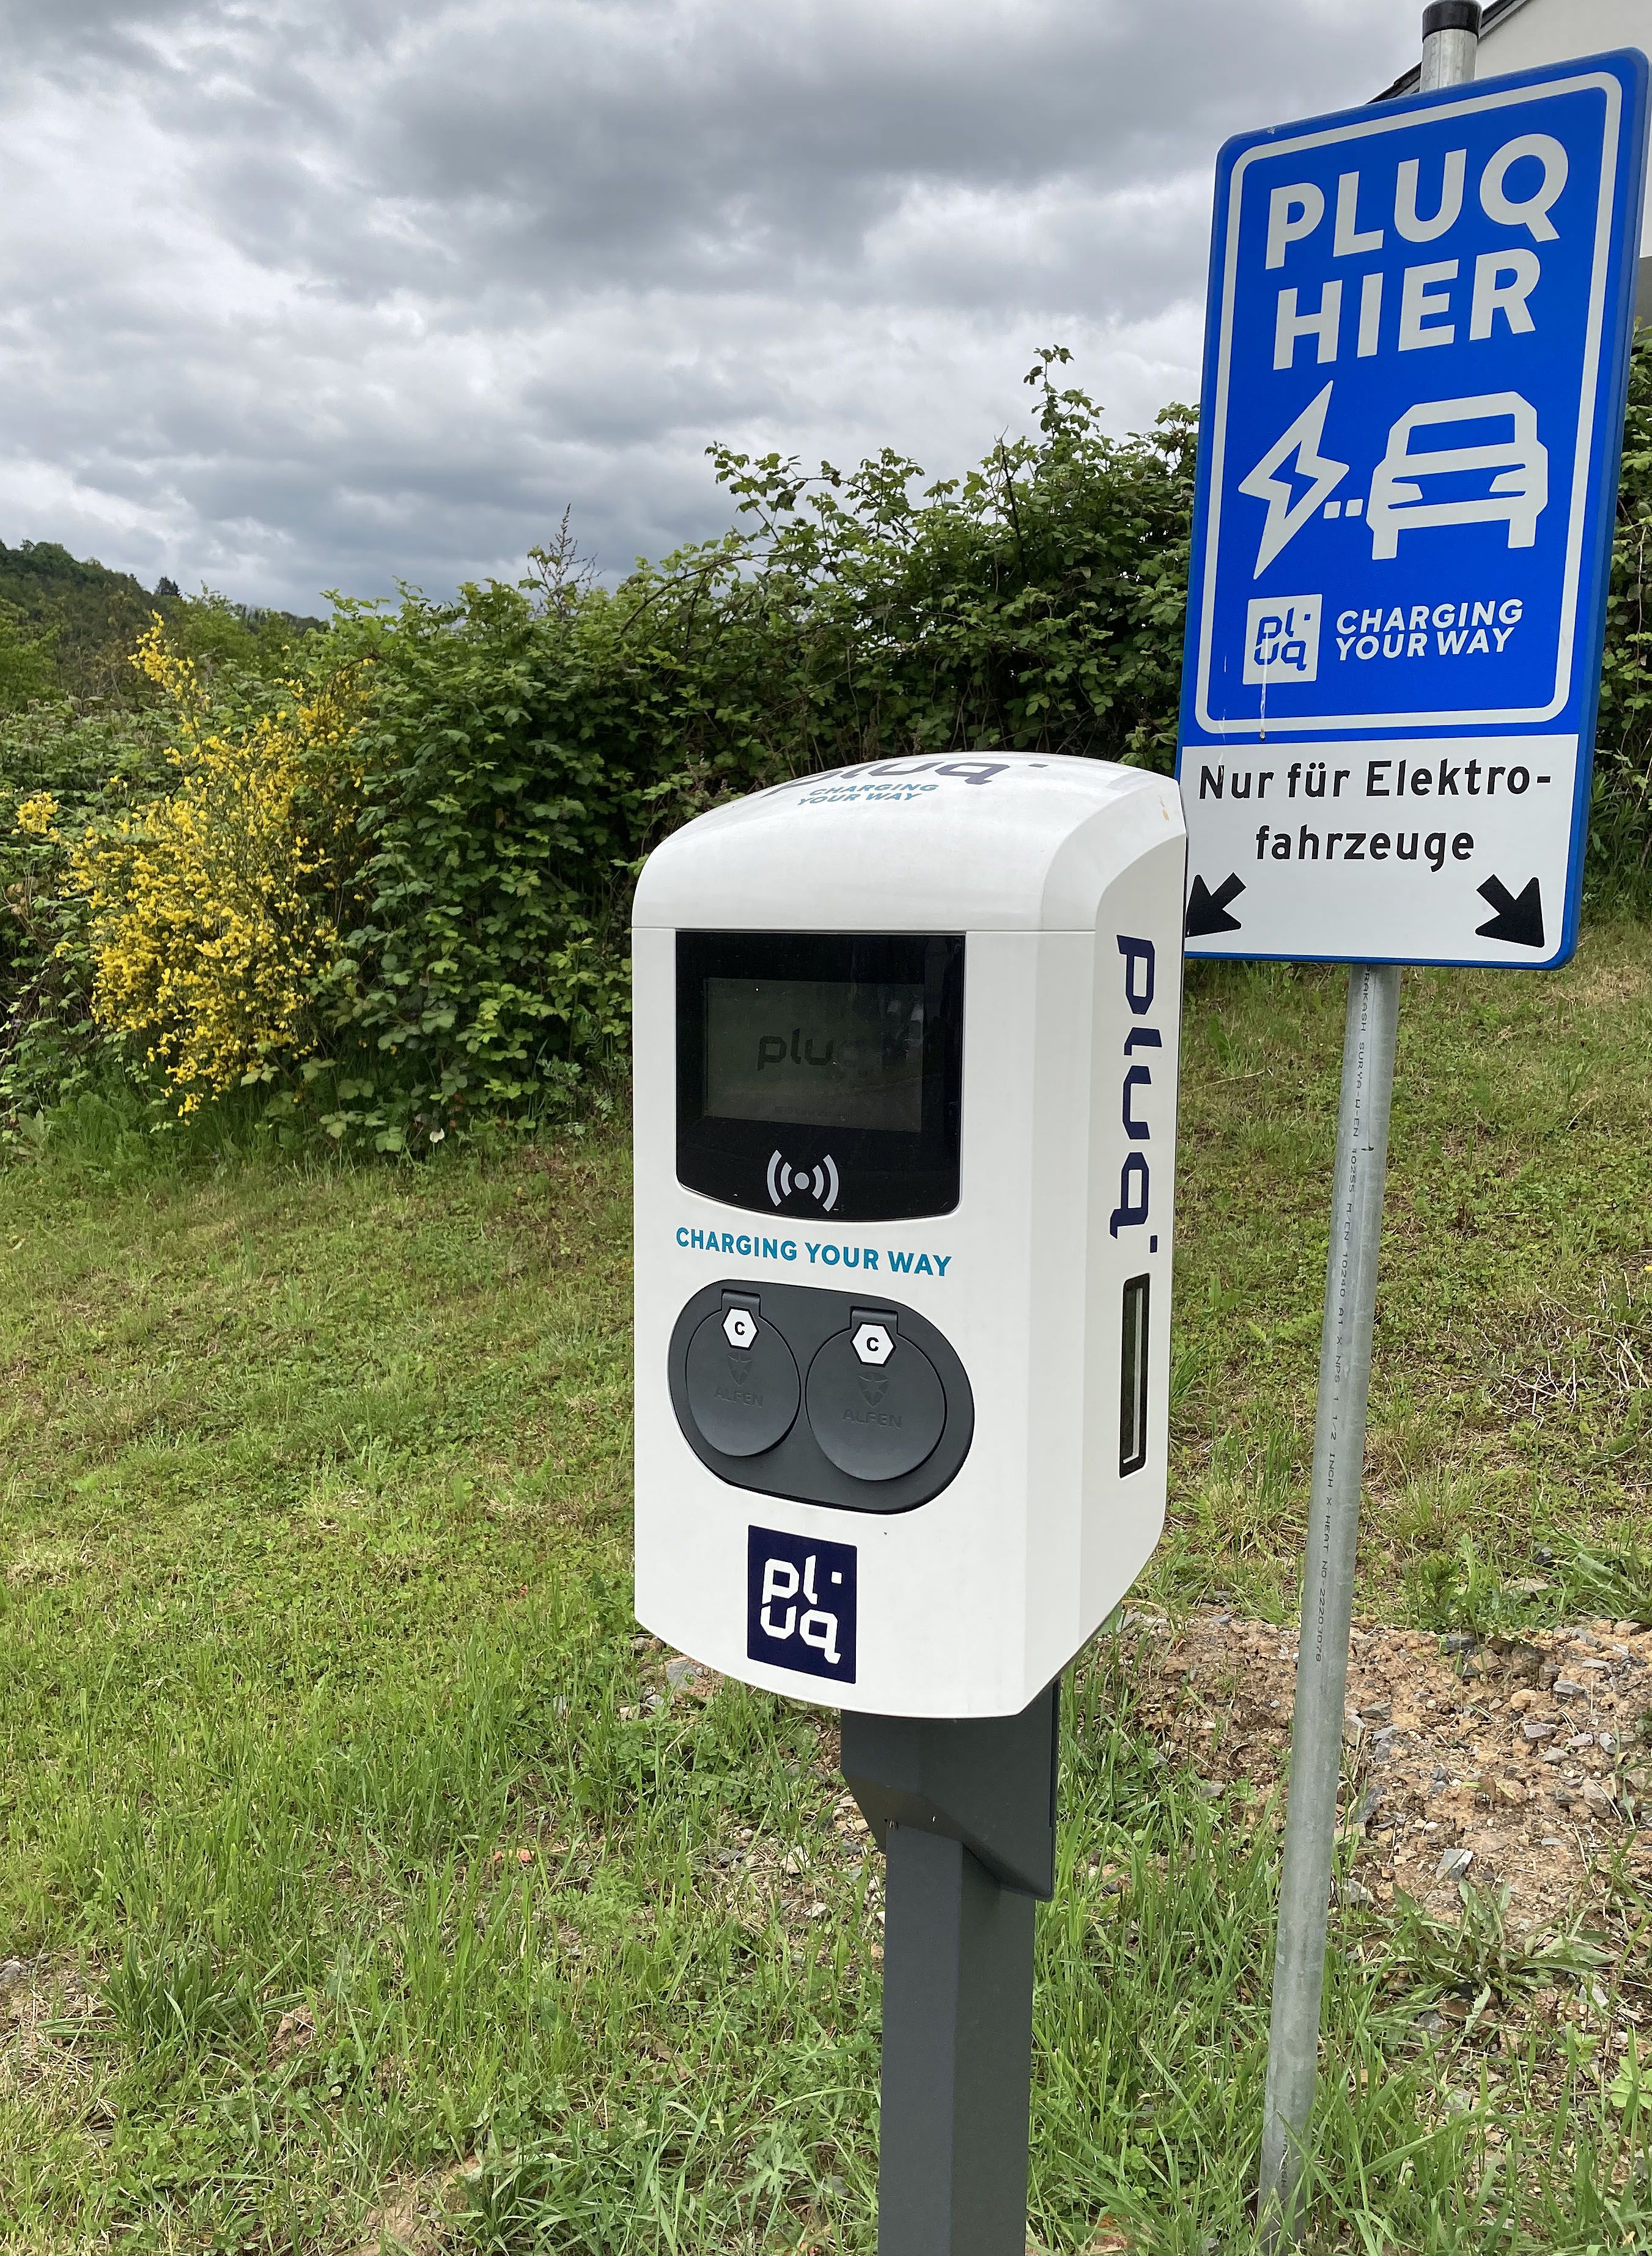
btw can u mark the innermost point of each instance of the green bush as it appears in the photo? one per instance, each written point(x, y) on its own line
point(528, 745)
point(1620, 866)
point(524, 747)
point(81, 763)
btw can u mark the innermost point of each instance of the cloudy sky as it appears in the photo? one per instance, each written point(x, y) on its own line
point(307, 294)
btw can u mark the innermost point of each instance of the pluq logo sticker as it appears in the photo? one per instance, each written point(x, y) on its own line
point(800, 1603)
point(1281, 638)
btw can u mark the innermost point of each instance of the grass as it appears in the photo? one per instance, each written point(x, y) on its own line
point(358, 1859)
point(1509, 1436)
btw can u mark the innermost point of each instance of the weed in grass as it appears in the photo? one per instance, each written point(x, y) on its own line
point(1478, 1961)
point(1467, 1589)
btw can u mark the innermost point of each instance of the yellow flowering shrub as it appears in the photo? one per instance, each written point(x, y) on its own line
point(212, 910)
point(37, 817)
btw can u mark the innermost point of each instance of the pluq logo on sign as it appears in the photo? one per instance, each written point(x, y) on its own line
point(1281, 638)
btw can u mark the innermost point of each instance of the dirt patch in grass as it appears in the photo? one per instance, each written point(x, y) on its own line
point(1518, 1764)
point(756, 1877)
point(418, 2219)
point(47, 2015)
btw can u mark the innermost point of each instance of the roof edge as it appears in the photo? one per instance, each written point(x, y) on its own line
point(1498, 11)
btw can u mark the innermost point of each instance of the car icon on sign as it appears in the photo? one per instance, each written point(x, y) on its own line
point(1517, 493)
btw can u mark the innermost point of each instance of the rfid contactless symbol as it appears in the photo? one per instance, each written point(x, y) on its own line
point(818, 1183)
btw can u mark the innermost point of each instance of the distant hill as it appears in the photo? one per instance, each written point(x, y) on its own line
point(69, 625)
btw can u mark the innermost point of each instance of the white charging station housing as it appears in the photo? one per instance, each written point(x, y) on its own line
point(907, 1040)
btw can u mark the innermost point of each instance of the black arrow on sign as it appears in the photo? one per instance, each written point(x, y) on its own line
point(1520, 916)
point(1207, 911)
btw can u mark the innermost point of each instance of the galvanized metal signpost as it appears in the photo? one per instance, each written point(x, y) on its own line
point(1415, 367)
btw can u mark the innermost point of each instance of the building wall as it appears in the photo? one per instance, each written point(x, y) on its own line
point(1547, 31)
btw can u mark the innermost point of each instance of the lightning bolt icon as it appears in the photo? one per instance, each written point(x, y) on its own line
point(1284, 520)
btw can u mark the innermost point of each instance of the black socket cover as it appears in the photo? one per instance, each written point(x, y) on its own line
point(875, 1421)
point(743, 1399)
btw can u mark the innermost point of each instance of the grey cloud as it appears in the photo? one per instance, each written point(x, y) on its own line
point(298, 296)
point(655, 140)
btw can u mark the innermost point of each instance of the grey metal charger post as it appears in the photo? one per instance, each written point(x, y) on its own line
point(965, 1813)
point(1451, 32)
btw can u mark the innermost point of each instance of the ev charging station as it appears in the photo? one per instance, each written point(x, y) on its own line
point(906, 1056)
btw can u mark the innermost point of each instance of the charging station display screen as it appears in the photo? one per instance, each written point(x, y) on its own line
point(834, 1053)
point(821, 1073)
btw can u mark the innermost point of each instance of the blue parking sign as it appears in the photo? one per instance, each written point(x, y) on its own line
point(1415, 363)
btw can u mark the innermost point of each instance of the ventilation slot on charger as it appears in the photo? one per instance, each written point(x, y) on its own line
point(1133, 1379)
